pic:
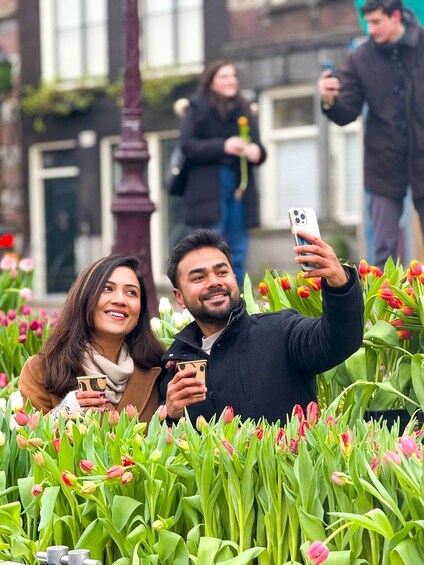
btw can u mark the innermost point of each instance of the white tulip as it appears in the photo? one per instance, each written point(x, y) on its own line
point(164, 306)
point(16, 401)
point(187, 317)
point(177, 320)
point(3, 404)
point(156, 326)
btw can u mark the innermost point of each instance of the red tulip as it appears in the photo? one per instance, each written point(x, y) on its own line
point(263, 289)
point(415, 268)
point(285, 283)
point(315, 283)
point(298, 412)
point(407, 310)
point(376, 272)
point(385, 294)
point(37, 489)
point(69, 478)
point(304, 291)
point(346, 443)
point(395, 303)
point(294, 446)
point(363, 268)
point(56, 444)
point(317, 552)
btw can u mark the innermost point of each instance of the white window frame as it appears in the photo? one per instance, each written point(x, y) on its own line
point(48, 51)
point(268, 182)
point(37, 175)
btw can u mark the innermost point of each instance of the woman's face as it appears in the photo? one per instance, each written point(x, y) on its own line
point(119, 305)
point(225, 82)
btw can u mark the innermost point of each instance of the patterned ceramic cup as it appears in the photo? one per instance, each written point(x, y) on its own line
point(199, 365)
point(95, 383)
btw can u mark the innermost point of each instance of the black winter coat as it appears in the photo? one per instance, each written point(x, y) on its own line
point(202, 139)
point(390, 78)
point(265, 364)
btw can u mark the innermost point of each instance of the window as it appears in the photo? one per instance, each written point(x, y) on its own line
point(172, 33)
point(73, 39)
point(291, 175)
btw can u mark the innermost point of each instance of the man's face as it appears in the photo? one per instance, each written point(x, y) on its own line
point(207, 287)
point(383, 28)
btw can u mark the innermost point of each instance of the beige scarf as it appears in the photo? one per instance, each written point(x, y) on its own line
point(117, 375)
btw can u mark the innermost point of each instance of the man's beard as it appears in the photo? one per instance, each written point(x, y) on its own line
point(207, 314)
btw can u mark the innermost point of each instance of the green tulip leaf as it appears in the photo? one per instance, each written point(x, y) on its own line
point(417, 374)
point(248, 295)
point(407, 552)
point(356, 365)
point(50, 495)
point(382, 333)
point(122, 509)
point(244, 558)
point(171, 549)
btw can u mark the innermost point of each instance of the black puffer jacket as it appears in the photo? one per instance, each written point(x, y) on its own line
point(390, 78)
point(202, 139)
point(264, 364)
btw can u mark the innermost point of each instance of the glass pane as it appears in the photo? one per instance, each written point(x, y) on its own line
point(293, 112)
point(59, 158)
point(298, 175)
point(158, 47)
point(69, 55)
point(95, 11)
point(189, 4)
point(68, 14)
point(96, 55)
point(353, 173)
point(190, 37)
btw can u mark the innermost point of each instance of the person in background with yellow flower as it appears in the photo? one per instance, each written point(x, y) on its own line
point(220, 140)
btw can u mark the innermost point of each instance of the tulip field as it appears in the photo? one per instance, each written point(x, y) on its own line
point(323, 486)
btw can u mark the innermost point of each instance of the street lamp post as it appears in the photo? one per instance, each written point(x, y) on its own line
point(132, 206)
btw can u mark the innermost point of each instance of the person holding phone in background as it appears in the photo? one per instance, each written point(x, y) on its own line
point(386, 72)
point(262, 364)
point(213, 145)
point(104, 328)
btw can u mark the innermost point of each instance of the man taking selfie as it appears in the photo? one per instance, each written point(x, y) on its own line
point(262, 364)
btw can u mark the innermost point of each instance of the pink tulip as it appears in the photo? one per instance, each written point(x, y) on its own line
point(33, 325)
point(131, 411)
point(26, 265)
point(115, 471)
point(391, 457)
point(339, 479)
point(317, 552)
point(3, 380)
point(228, 447)
point(33, 420)
point(26, 294)
point(375, 464)
point(228, 414)
point(26, 310)
point(312, 412)
point(11, 314)
point(127, 477)
point(407, 445)
point(86, 465)
point(113, 417)
point(294, 446)
point(37, 489)
point(22, 338)
point(21, 418)
point(56, 444)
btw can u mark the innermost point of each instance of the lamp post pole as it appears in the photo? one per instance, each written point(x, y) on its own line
point(132, 206)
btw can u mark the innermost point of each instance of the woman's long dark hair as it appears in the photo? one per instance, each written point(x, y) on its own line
point(222, 105)
point(64, 349)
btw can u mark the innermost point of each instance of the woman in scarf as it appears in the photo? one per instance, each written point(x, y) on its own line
point(104, 328)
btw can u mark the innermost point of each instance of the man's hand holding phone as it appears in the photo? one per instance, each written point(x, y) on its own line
point(323, 257)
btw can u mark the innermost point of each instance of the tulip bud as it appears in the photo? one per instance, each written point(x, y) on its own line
point(82, 428)
point(33, 420)
point(157, 525)
point(16, 401)
point(201, 423)
point(390, 457)
point(37, 489)
point(11, 314)
point(385, 294)
point(86, 465)
point(415, 268)
point(156, 326)
point(315, 283)
point(177, 321)
point(395, 303)
point(317, 552)
point(285, 283)
point(88, 487)
point(304, 291)
point(155, 456)
point(2, 439)
point(113, 417)
point(376, 272)
point(228, 447)
point(36, 442)
point(363, 269)
point(33, 325)
point(294, 446)
point(21, 418)
point(56, 444)
point(164, 306)
point(375, 464)
point(22, 442)
point(69, 478)
point(26, 294)
point(182, 444)
point(39, 458)
point(140, 427)
point(312, 412)
point(228, 414)
point(407, 445)
point(131, 411)
point(259, 433)
point(169, 438)
point(340, 479)
point(26, 310)
point(3, 380)
point(263, 289)
point(26, 264)
point(298, 413)
point(115, 471)
point(126, 462)
point(127, 477)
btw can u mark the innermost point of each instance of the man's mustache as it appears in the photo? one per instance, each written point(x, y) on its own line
point(215, 290)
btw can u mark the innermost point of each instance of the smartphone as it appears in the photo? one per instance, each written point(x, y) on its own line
point(328, 65)
point(304, 219)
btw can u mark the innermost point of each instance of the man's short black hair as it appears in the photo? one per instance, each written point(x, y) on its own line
point(388, 6)
point(196, 240)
